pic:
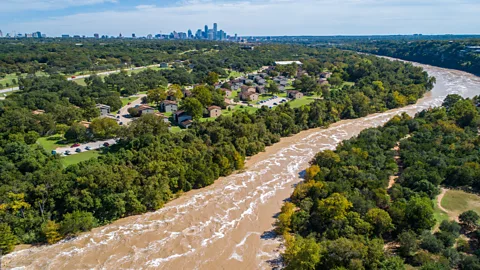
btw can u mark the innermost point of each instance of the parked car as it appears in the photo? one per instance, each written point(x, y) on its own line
point(118, 116)
point(250, 105)
point(73, 77)
point(88, 148)
point(121, 123)
point(106, 144)
point(78, 150)
point(67, 152)
point(54, 152)
point(275, 104)
point(75, 145)
point(129, 103)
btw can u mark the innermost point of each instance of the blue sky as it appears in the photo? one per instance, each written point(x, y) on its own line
point(245, 17)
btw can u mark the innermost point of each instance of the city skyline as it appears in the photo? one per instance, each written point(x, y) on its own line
point(208, 34)
point(247, 18)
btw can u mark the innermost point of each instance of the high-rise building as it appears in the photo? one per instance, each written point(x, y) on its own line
point(198, 35)
point(133, 35)
point(205, 34)
point(215, 31)
point(65, 36)
point(210, 34)
point(1, 34)
point(190, 35)
point(96, 35)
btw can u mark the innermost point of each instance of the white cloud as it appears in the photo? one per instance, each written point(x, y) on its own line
point(19, 5)
point(286, 17)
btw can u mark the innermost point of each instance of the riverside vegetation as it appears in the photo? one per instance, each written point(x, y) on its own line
point(43, 202)
point(344, 217)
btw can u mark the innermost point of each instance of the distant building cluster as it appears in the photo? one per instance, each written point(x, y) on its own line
point(20, 35)
point(201, 34)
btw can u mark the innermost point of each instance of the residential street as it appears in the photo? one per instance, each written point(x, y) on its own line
point(123, 112)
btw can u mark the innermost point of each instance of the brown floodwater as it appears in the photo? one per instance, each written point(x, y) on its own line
point(228, 224)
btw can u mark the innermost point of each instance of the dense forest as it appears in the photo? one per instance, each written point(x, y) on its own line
point(41, 201)
point(459, 54)
point(345, 215)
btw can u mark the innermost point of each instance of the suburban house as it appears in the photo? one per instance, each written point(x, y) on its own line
point(163, 116)
point(181, 116)
point(104, 109)
point(85, 124)
point(261, 89)
point(214, 111)
point(261, 81)
point(228, 92)
point(229, 104)
point(322, 81)
point(325, 75)
point(281, 88)
point(245, 96)
point(248, 81)
point(37, 112)
point(186, 123)
point(145, 109)
point(187, 93)
point(217, 86)
point(168, 106)
point(294, 94)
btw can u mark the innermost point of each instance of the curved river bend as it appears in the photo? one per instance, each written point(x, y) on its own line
point(228, 224)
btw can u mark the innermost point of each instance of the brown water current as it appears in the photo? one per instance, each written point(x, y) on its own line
point(228, 224)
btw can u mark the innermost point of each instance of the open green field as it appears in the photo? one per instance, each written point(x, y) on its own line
point(175, 129)
point(12, 76)
point(77, 158)
point(51, 143)
point(457, 202)
point(302, 101)
point(438, 214)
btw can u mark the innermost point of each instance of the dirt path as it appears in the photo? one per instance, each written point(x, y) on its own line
point(393, 178)
point(439, 204)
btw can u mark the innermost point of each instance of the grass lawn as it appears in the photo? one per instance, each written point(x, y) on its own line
point(175, 129)
point(12, 76)
point(126, 100)
point(51, 143)
point(438, 214)
point(457, 202)
point(239, 108)
point(302, 101)
point(81, 82)
point(77, 158)
point(207, 119)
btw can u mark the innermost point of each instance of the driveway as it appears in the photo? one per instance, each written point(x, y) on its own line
point(92, 145)
point(124, 116)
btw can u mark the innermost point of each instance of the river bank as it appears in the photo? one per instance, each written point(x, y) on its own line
point(228, 224)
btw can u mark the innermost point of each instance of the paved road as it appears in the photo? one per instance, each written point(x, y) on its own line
point(124, 116)
point(92, 145)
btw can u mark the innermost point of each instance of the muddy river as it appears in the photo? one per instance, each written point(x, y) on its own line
point(228, 224)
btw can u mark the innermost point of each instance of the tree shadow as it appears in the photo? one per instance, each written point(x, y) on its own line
point(267, 235)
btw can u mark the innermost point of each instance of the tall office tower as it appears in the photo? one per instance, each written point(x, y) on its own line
point(215, 31)
point(190, 35)
point(210, 34)
point(133, 35)
point(96, 35)
point(199, 34)
point(1, 34)
point(205, 34)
